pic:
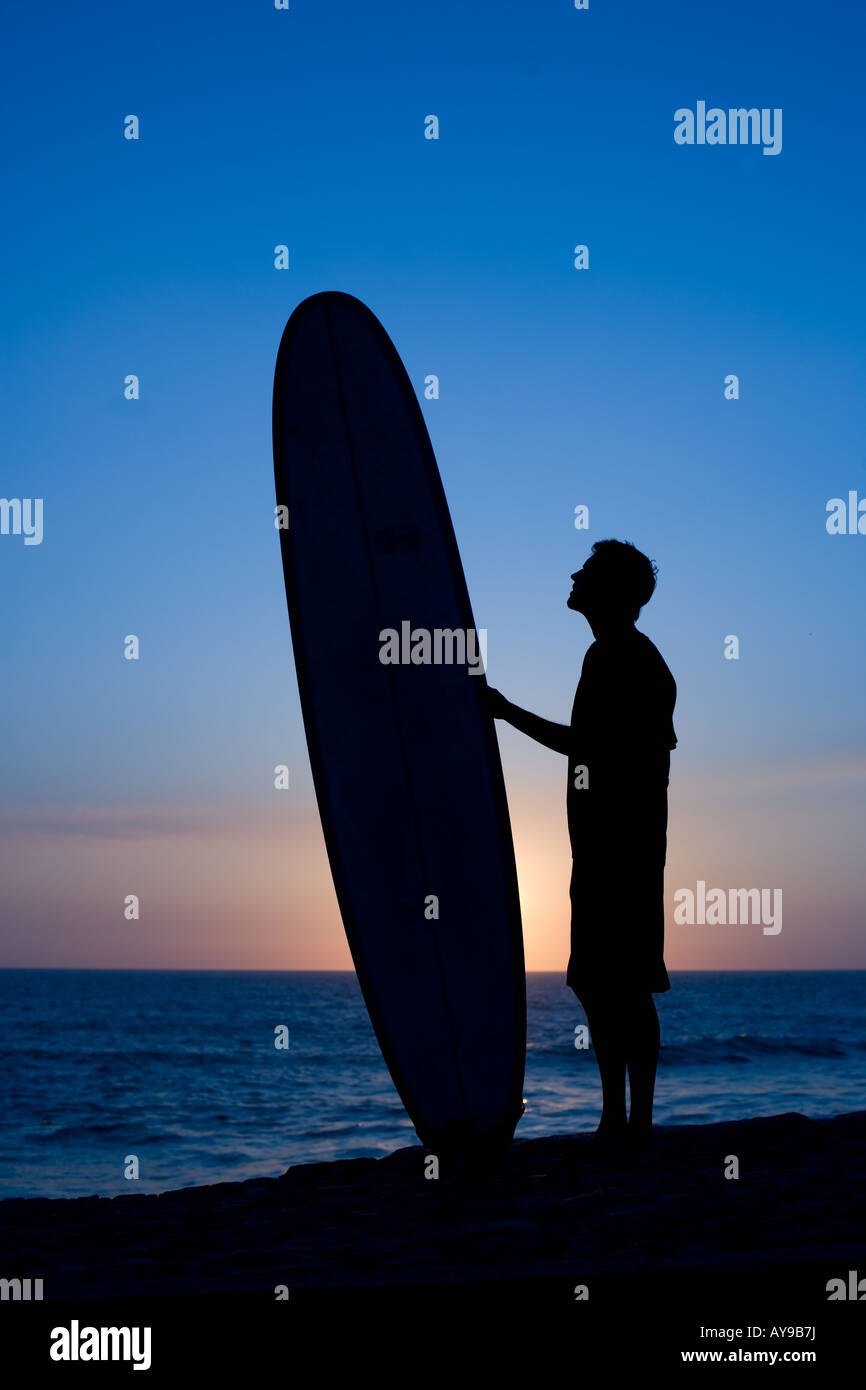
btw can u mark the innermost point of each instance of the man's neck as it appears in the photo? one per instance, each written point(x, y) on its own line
point(604, 628)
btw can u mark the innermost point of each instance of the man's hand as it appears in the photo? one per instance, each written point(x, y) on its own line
point(544, 731)
point(497, 705)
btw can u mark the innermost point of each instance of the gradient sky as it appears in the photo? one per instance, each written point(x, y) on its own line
point(558, 387)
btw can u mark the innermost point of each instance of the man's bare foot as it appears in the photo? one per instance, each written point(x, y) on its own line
point(639, 1141)
point(608, 1141)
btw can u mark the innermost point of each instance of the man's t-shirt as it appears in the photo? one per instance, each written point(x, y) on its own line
point(622, 734)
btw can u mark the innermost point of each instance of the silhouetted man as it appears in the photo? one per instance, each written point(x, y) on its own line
point(618, 748)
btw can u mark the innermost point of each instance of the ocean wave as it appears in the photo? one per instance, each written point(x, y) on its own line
point(129, 1128)
point(746, 1047)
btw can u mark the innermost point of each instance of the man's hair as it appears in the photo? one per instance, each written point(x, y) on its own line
point(629, 577)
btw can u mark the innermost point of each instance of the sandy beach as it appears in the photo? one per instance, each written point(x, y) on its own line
point(798, 1204)
point(638, 1260)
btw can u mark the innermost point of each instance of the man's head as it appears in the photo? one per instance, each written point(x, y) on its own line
point(614, 584)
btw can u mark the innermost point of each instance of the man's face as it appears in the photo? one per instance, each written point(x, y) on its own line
point(582, 587)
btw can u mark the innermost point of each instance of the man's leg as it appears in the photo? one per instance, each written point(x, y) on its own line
point(609, 1045)
point(642, 1051)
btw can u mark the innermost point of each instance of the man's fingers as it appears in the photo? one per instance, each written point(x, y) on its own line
point(496, 702)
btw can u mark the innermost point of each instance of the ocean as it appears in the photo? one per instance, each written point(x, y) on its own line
point(179, 1068)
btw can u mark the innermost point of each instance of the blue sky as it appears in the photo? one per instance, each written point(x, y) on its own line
point(558, 387)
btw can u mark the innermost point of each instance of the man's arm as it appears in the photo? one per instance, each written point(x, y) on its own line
point(555, 736)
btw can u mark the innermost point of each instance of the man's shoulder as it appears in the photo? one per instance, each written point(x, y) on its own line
point(651, 653)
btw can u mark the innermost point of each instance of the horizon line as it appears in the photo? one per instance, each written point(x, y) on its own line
point(288, 970)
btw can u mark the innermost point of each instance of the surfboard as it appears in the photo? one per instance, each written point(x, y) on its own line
point(403, 753)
